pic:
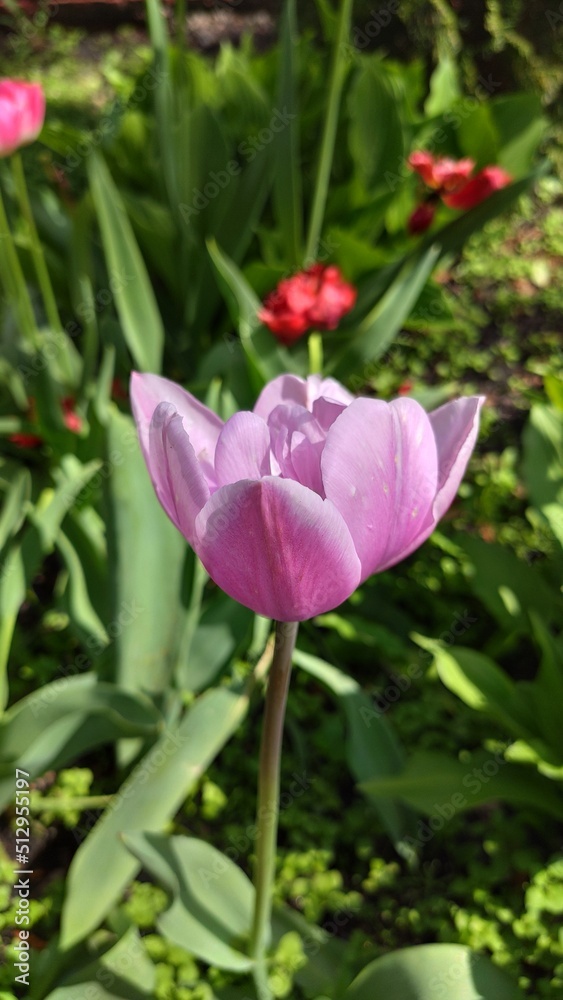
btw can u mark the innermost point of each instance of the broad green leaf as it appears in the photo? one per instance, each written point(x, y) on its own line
point(377, 331)
point(508, 587)
point(376, 132)
point(430, 972)
point(265, 358)
point(150, 797)
point(147, 554)
point(440, 787)
point(543, 463)
point(72, 478)
point(444, 87)
point(83, 614)
point(163, 97)
point(124, 972)
point(548, 685)
point(371, 746)
point(213, 900)
point(287, 194)
point(520, 126)
point(12, 594)
point(13, 507)
point(73, 713)
point(482, 685)
point(134, 298)
point(478, 135)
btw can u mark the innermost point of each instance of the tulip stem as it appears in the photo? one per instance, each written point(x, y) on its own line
point(315, 348)
point(268, 798)
point(41, 271)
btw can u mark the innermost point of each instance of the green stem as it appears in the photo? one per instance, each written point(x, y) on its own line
point(14, 281)
point(268, 797)
point(315, 348)
point(41, 271)
point(338, 75)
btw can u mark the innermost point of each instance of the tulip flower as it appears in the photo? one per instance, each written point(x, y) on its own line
point(440, 173)
point(292, 505)
point(475, 190)
point(421, 218)
point(22, 113)
point(316, 298)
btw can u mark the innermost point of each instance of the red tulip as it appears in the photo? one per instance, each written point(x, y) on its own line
point(316, 298)
point(440, 173)
point(484, 184)
point(22, 113)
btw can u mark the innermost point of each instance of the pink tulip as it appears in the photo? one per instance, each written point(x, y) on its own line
point(22, 113)
point(478, 188)
point(291, 506)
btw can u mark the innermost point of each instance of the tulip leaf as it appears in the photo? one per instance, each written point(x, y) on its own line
point(371, 746)
point(147, 553)
point(376, 132)
point(377, 330)
point(122, 972)
point(429, 971)
point(265, 357)
point(213, 899)
point(507, 586)
point(148, 799)
point(441, 787)
point(13, 507)
point(52, 726)
point(288, 200)
point(134, 298)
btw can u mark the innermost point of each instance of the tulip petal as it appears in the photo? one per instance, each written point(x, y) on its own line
point(175, 471)
point(200, 423)
point(455, 426)
point(278, 548)
point(243, 449)
point(380, 468)
point(283, 389)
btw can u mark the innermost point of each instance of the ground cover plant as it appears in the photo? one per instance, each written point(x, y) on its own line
point(225, 227)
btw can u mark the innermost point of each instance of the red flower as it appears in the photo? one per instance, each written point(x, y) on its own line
point(440, 173)
point(70, 417)
point(484, 184)
point(25, 440)
point(421, 218)
point(316, 298)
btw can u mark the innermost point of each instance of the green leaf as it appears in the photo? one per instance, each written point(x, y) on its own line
point(287, 193)
point(74, 713)
point(482, 685)
point(543, 462)
point(444, 87)
point(440, 787)
point(13, 508)
point(147, 553)
point(376, 132)
point(146, 802)
point(507, 586)
point(134, 298)
point(430, 971)
point(82, 612)
point(377, 331)
point(520, 126)
point(371, 746)
point(213, 900)
point(123, 972)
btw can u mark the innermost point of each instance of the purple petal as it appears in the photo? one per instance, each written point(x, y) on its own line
point(380, 469)
point(297, 442)
point(276, 547)
point(201, 424)
point(283, 389)
point(455, 426)
point(243, 449)
point(175, 471)
point(303, 392)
